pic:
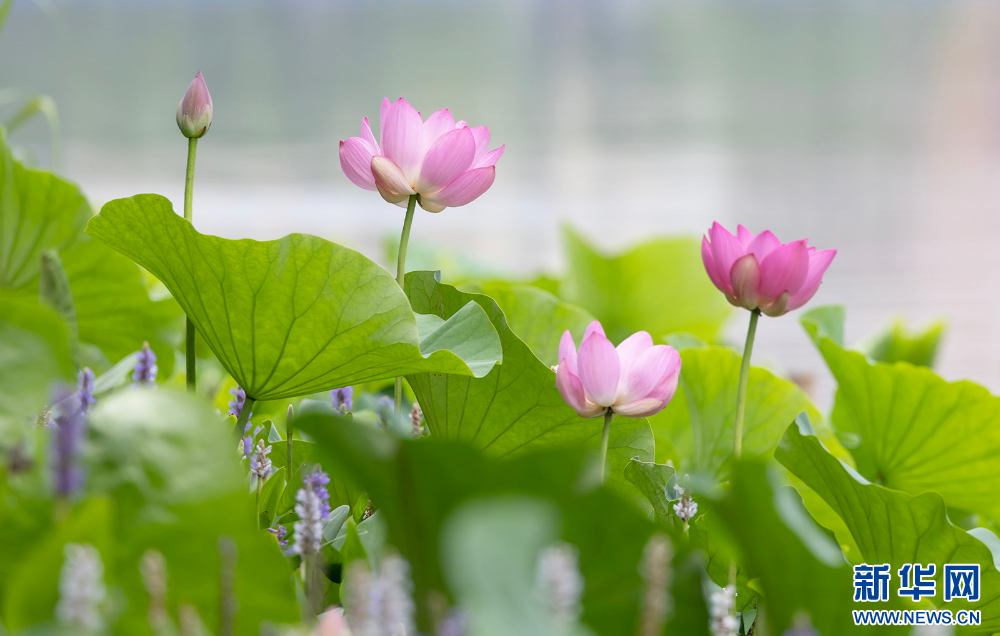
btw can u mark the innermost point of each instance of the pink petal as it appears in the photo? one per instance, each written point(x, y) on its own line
point(744, 236)
point(762, 245)
point(482, 135)
point(356, 162)
point(818, 263)
point(366, 134)
point(489, 159)
point(655, 401)
point(386, 104)
point(567, 351)
point(466, 188)
point(571, 390)
point(436, 125)
point(447, 158)
point(745, 276)
point(599, 369)
point(390, 180)
point(720, 280)
point(784, 269)
point(629, 351)
point(725, 248)
point(649, 371)
point(402, 134)
point(594, 327)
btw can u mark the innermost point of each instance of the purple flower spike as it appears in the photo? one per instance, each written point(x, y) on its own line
point(317, 481)
point(248, 439)
point(85, 389)
point(239, 398)
point(343, 399)
point(70, 426)
point(145, 368)
point(280, 532)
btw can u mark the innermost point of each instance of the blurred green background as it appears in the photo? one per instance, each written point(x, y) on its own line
point(871, 127)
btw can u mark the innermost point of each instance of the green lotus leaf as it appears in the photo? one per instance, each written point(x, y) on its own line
point(798, 568)
point(891, 526)
point(915, 431)
point(695, 431)
point(517, 406)
point(292, 316)
point(34, 352)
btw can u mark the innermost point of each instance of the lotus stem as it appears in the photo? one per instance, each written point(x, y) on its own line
point(608, 415)
point(741, 391)
point(188, 193)
point(404, 239)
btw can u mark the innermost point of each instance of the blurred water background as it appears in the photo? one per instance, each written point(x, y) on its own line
point(872, 127)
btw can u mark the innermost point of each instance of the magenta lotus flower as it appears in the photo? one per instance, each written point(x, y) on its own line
point(634, 379)
point(446, 164)
point(194, 113)
point(759, 272)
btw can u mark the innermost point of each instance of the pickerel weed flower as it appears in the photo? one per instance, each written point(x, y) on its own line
point(246, 444)
point(194, 112)
point(145, 368)
point(85, 389)
point(385, 408)
point(260, 465)
point(280, 532)
point(560, 584)
point(686, 508)
point(656, 574)
point(759, 272)
point(81, 588)
point(446, 164)
point(382, 604)
point(721, 620)
point(318, 480)
point(70, 426)
point(635, 379)
point(239, 399)
point(153, 568)
point(308, 530)
point(417, 419)
point(342, 399)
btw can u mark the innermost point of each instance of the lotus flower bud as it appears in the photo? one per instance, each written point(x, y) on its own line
point(194, 113)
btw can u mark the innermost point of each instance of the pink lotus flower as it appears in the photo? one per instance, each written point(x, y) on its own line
point(759, 272)
point(445, 163)
point(194, 113)
point(636, 379)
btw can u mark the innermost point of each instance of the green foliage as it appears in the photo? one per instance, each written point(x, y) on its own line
point(114, 310)
point(660, 287)
point(695, 431)
point(897, 344)
point(797, 567)
point(656, 482)
point(490, 558)
point(38, 211)
point(538, 317)
point(417, 484)
point(34, 350)
point(54, 291)
point(517, 406)
point(293, 316)
point(915, 431)
point(890, 526)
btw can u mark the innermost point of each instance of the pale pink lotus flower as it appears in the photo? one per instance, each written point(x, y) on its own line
point(759, 272)
point(194, 113)
point(634, 379)
point(446, 164)
point(332, 623)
